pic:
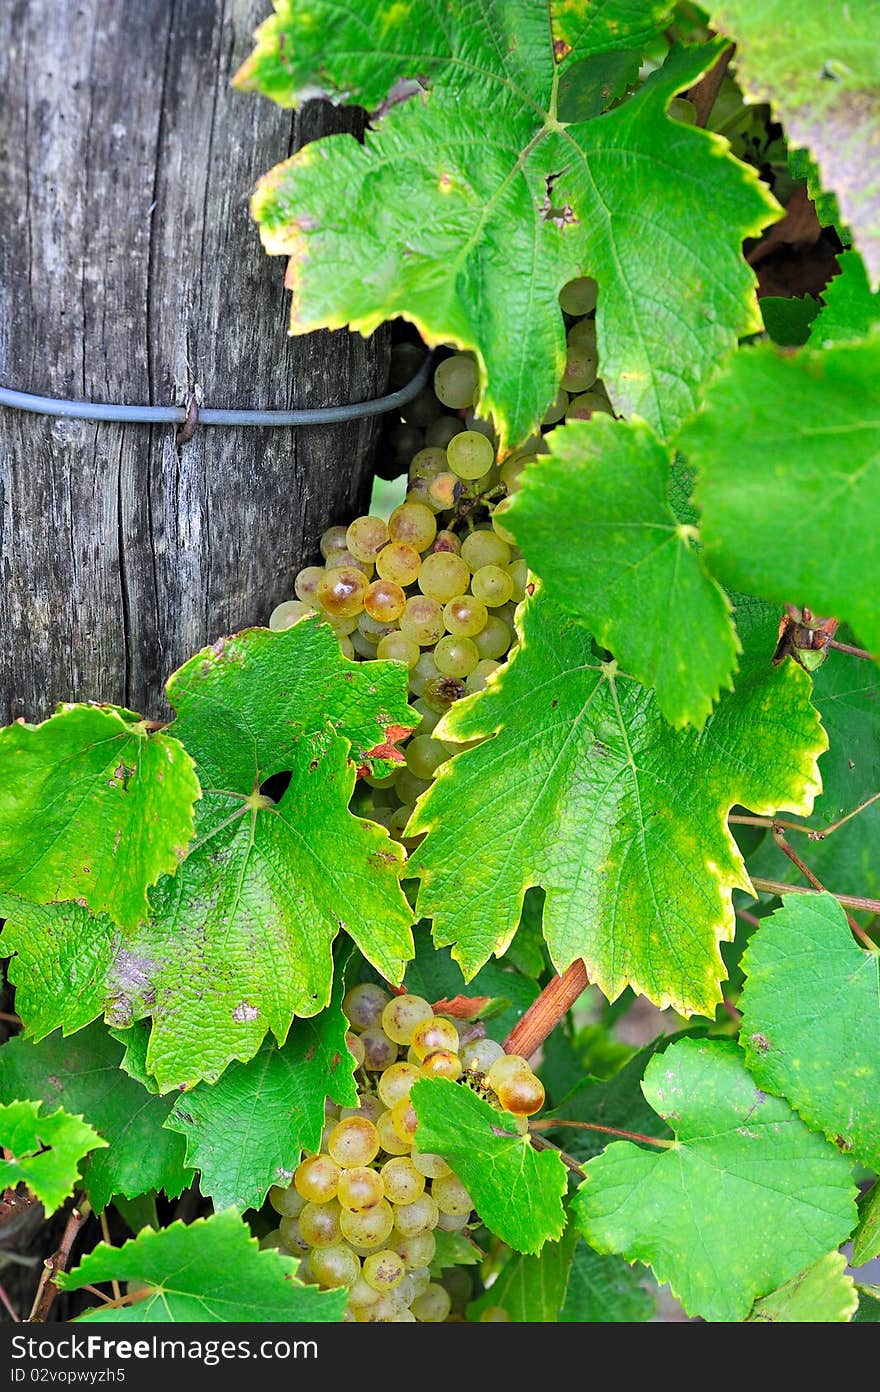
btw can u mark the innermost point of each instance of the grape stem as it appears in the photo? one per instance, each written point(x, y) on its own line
point(852, 901)
point(812, 833)
point(779, 837)
point(703, 94)
point(851, 649)
point(47, 1289)
point(544, 1014)
point(550, 1124)
point(9, 1307)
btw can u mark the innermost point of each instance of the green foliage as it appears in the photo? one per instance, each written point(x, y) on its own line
point(745, 1188)
point(803, 966)
point(823, 1293)
point(621, 818)
point(485, 191)
point(209, 1272)
point(532, 1289)
point(44, 1152)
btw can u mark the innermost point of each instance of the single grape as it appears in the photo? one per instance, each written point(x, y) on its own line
point(319, 1223)
point(399, 563)
point(433, 1306)
point(408, 787)
point(508, 1066)
point(366, 536)
point(444, 492)
point(440, 431)
point(523, 1095)
point(291, 1236)
point(384, 1270)
point(404, 1119)
point(316, 1178)
point(455, 381)
point(435, 1032)
point(345, 558)
point(481, 1054)
point(422, 409)
point(384, 602)
point(557, 408)
point(413, 524)
point(398, 648)
point(428, 464)
point(360, 1295)
point(334, 539)
point(402, 1181)
point(364, 647)
point(369, 1226)
point(389, 1139)
point(355, 1048)
point(354, 1141)
point(396, 1082)
point(465, 616)
point(578, 296)
point(289, 612)
point(498, 527)
point(494, 1314)
point(360, 1187)
point(519, 574)
point(447, 541)
point(589, 403)
point(443, 576)
point(400, 1017)
point(431, 1166)
point(406, 359)
point(441, 692)
point(288, 1202)
point(424, 671)
point(428, 718)
point(470, 454)
point(341, 591)
point(493, 640)
point(379, 1050)
point(419, 1216)
point(368, 1106)
point(306, 583)
point(453, 1222)
point(423, 755)
point(492, 585)
point(456, 656)
point(442, 1063)
point(422, 620)
point(450, 1195)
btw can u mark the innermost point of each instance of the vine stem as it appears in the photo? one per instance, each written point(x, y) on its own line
point(550, 1124)
point(47, 1289)
point(852, 901)
point(851, 649)
point(9, 1307)
point(11, 1019)
point(779, 837)
point(811, 833)
point(105, 1233)
point(544, 1014)
point(703, 94)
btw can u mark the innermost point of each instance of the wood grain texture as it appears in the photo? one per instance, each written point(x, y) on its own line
point(130, 270)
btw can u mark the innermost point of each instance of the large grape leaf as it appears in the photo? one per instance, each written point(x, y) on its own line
point(94, 807)
point(247, 1131)
point(532, 1289)
point(239, 940)
point(63, 960)
point(803, 531)
point(469, 206)
point(618, 1102)
point(803, 966)
point(517, 1190)
point(851, 308)
point(866, 1239)
point(45, 1152)
point(744, 1198)
point(586, 790)
point(824, 1294)
point(209, 1272)
point(595, 522)
point(84, 1074)
point(604, 1289)
point(846, 693)
point(818, 65)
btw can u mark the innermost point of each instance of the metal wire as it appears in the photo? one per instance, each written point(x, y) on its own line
point(208, 415)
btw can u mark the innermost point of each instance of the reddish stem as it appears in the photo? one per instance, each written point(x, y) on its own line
point(779, 838)
point(550, 1124)
point(544, 1014)
point(9, 1307)
point(47, 1289)
point(849, 648)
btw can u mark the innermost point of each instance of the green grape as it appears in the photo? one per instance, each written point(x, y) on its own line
point(470, 454)
point(422, 409)
point(366, 536)
point(391, 1142)
point(442, 1063)
point(399, 563)
point(465, 616)
point(431, 1166)
point(519, 574)
point(424, 755)
point(363, 1004)
point(412, 524)
point(396, 1082)
point(405, 441)
point(582, 362)
point(424, 671)
point(360, 1295)
point(498, 526)
point(557, 408)
point(369, 1226)
point(428, 464)
point(316, 1178)
point(271, 1241)
point(399, 648)
point(456, 656)
point(402, 1014)
point(428, 717)
point(422, 620)
point(334, 539)
point(384, 1270)
point(523, 1095)
point(434, 1033)
point(433, 1306)
point(494, 639)
point(341, 591)
point(508, 1066)
point(456, 380)
point(341, 626)
point(453, 1222)
point(346, 647)
point(368, 1106)
point(492, 585)
point(402, 1181)
point(450, 1195)
point(374, 629)
point(481, 1054)
point(354, 1141)
point(291, 1236)
point(319, 1223)
point(306, 583)
point(419, 1216)
point(334, 1265)
point(494, 1314)
point(441, 692)
point(408, 787)
point(397, 825)
point(360, 1187)
point(345, 558)
point(364, 647)
point(484, 547)
point(404, 1119)
point(355, 1048)
point(447, 541)
point(589, 403)
point(443, 576)
point(289, 612)
point(482, 427)
point(286, 1201)
point(511, 470)
point(578, 296)
point(417, 1251)
point(384, 602)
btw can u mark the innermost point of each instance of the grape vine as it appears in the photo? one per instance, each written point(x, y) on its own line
point(491, 935)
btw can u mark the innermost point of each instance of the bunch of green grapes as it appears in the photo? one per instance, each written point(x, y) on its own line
point(436, 586)
point(362, 1212)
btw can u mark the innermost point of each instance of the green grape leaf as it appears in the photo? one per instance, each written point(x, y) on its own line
point(823, 1294)
point(45, 1152)
point(594, 520)
point(63, 957)
point(93, 807)
point(490, 202)
point(247, 1131)
point(788, 319)
point(517, 1190)
point(803, 965)
point(869, 1305)
point(622, 819)
point(531, 1289)
point(866, 1240)
point(240, 939)
point(208, 1272)
point(618, 1102)
point(803, 531)
point(604, 1289)
point(84, 1072)
point(135, 1042)
point(743, 1199)
point(434, 975)
point(851, 309)
point(818, 65)
point(454, 1249)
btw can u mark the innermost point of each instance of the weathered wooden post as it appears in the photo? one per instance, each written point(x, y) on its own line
point(130, 271)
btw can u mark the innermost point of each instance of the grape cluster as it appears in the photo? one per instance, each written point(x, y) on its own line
point(362, 1212)
point(436, 586)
